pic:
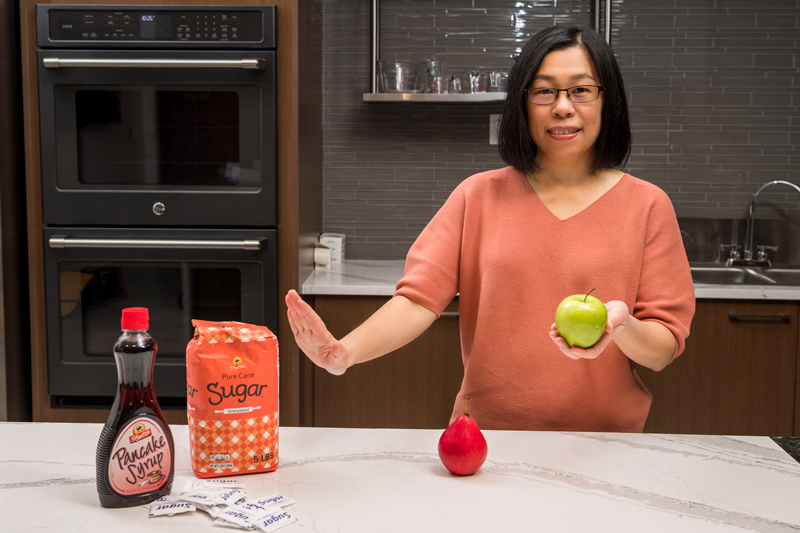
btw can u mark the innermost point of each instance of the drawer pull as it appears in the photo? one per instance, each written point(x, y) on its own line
point(449, 314)
point(785, 319)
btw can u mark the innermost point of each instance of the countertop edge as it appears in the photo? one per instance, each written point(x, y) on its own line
point(379, 277)
point(790, 445)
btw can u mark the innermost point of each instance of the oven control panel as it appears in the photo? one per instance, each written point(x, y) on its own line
point(153, 24)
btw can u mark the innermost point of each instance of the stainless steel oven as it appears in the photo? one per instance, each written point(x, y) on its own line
point(157, 115)
point(91, 274)
point(158, 142)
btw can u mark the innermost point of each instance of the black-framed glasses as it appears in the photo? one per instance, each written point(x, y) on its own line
point(580, 94)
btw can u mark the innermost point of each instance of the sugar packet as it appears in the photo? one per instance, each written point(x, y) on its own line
point(256, 510)
point(277, 499)
point(274, 521)
point(204, 496)
point(236, 517)
point(229, 496)
point(167, 506)
point(211, 510)
point(223, 483)
point(197, 484)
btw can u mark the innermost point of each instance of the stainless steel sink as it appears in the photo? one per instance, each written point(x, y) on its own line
point(783, 276)
point(718, 275)
point(736, 275)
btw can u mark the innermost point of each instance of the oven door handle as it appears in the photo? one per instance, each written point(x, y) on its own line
point(253, 64)
point(63, 241)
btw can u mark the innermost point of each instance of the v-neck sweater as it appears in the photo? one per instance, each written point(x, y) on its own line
point(511, 261)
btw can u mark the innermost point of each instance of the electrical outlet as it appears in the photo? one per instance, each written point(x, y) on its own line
point(494, 121)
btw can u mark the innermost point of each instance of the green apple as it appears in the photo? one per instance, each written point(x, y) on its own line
point(581, 320)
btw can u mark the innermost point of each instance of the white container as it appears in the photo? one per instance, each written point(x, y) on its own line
point(334, 241)
point(322, 257)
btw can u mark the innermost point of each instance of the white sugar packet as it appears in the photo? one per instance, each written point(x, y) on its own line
point(166, 506)
point(224, 483)
point(162, 499)
point(229, 496)
point(192, 485)
point(204, 496)
point(235, 518)
point(212, 510)
point(196, 484)
point(257, 511)
point(276, 499)
point(230, 525)
point(274, 521)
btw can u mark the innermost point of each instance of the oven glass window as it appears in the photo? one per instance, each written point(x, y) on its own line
point(157, 136)
point(92, 299)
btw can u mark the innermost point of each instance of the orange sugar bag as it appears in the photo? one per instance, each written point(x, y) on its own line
point(232, 398)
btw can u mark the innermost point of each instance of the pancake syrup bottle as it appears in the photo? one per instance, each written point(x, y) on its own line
point(135, 455)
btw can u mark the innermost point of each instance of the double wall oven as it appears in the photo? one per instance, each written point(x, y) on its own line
point(158, 145)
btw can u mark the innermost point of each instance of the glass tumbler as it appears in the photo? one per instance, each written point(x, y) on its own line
point(395, 76)
point(437, 82)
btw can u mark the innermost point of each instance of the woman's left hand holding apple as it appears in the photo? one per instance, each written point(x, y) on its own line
point(617, 319)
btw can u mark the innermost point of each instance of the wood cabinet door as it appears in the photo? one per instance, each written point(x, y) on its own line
point(736, 376)
point(413, 387)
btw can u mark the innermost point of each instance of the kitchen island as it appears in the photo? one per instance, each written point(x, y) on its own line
point(392, 480)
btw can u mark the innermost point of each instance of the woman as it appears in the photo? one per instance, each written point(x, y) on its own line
point(561, 219)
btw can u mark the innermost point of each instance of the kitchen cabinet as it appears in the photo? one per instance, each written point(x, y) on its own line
point(737, 375)
point(413, 387)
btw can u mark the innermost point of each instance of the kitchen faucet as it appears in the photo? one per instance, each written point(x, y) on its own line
point(761, 259)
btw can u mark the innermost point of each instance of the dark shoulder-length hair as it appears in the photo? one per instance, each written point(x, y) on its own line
point(613, 146)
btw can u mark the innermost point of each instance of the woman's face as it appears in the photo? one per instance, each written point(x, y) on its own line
point(565, 132)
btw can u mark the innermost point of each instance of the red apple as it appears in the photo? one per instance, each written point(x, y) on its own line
point(462, 447)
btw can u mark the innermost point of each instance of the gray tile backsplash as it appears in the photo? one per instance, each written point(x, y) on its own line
point(714, 88)
point(719, 78)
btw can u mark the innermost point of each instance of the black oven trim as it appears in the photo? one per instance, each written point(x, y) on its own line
point(99, 379)
point(43, 40)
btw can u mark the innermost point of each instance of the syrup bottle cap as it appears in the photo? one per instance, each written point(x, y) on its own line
point(135, 318)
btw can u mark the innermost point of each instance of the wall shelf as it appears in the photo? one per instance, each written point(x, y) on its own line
point(476, 98)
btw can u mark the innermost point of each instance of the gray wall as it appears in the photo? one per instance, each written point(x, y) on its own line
point(714, 88)
point(715, 98)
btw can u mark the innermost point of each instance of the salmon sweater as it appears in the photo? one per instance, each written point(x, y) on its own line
point(511, 261)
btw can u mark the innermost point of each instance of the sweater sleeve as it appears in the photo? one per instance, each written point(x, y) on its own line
point(431, 275)
point(666, 291)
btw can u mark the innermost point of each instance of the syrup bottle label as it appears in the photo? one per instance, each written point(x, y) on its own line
point(140, 460)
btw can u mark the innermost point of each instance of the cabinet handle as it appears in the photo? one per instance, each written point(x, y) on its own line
point(785, 319)
point(449, 314)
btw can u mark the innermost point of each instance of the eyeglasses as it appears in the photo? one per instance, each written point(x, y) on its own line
point(580, 94)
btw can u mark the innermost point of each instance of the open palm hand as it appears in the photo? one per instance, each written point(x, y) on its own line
point(313, 337)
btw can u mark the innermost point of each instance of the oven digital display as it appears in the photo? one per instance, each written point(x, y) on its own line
point(155, 26)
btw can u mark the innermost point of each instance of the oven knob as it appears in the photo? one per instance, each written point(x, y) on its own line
point(159, 208)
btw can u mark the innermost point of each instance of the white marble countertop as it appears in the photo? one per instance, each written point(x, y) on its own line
point(360, 277)
point(392, 480)
point(746, 292)
point(356, 277)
